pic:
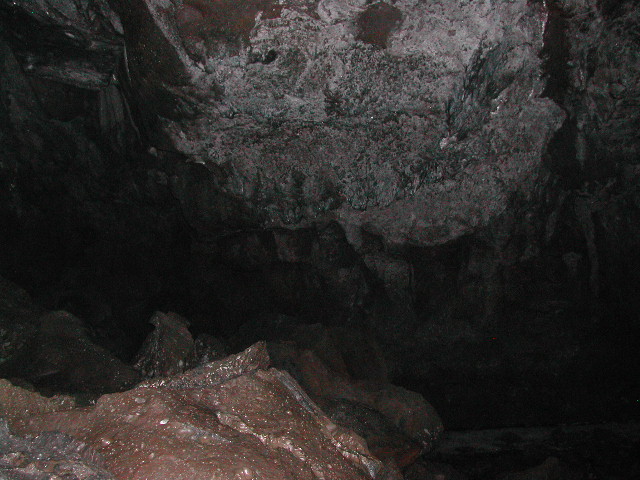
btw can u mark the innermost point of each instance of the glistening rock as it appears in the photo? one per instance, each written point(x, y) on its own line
point(230, 419)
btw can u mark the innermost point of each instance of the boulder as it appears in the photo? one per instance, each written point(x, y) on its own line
point(408, 410)
point(169, 349)
point(343, 370)
point(63, 358)
point(54, 351)
point(234, 418)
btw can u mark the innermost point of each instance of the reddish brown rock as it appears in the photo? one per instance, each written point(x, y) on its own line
point(16, 402)
point(407, 410)
point(229, 419)
point(253, 358)
point(385, 440)
point(344, 372)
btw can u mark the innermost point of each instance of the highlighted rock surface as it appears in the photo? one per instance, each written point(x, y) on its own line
point(230, 419)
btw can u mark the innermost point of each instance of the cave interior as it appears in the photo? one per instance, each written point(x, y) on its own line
point(443, 195)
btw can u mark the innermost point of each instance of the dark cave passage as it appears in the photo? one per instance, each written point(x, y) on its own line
point(429, 214)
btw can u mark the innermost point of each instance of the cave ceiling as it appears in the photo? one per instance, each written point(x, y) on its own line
point(414, 121)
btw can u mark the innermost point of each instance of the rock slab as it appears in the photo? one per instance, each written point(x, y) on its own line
point(230, 419)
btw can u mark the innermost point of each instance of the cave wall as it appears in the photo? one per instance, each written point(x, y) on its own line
point(459, 178)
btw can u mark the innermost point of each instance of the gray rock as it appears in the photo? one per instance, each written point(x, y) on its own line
point(169, 349)
point(76, 43)
point(415, 121)
point(47, 456)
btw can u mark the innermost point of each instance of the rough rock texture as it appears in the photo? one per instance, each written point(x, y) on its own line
point(169, 349)
point(47, 456)
point(16, 402)
point(231, 419)
point(400, 119)
point(397, 424)
point(88, 34)
point(109, 212)
point(407, 410)
point(68, 146)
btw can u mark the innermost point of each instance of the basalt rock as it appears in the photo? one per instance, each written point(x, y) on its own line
point(53, 350)
point(408, 138)
point(47, 456)
point(401, 119)
point(76, 43)
point(397, 424)
point(16, 402)
point(61, 357)
point(169, 349)
point(230, 419)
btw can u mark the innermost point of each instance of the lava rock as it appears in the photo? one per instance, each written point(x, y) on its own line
point(47, 456)
point(75, 43)
point(396, 423)
point(62, 358)
point(16, 401)
point(407, 410)
point(231, 418)
point(397, 119)
point(169, 349)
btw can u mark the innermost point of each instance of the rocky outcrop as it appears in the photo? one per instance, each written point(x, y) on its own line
point(398, 119)
point(231, 418)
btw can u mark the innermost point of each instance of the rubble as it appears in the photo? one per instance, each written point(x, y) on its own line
point(235, 418)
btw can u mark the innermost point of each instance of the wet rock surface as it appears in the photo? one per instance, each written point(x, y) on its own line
point(396, 167)
point(228, 419)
